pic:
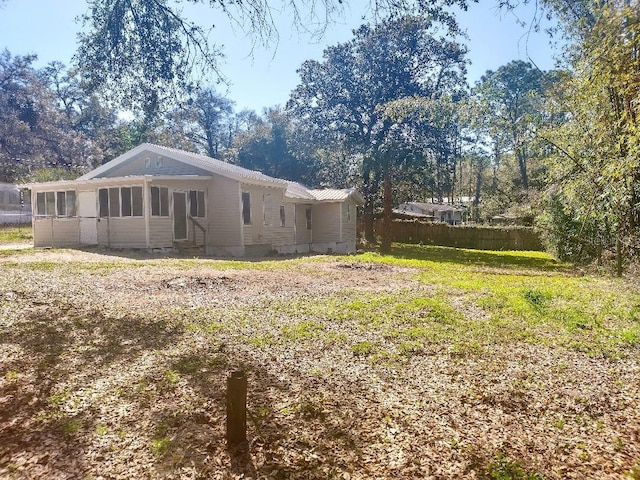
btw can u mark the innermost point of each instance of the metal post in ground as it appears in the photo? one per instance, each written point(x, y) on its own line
point(236, 408)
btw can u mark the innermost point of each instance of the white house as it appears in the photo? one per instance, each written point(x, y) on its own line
point(155, 197)
point(436, 212)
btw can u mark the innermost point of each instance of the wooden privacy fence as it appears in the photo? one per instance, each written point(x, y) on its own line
point(462, 236)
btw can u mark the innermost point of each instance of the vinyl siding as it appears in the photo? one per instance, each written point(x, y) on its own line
point(326, 222)
point(302, 234)
point(161, 228)
point(137, 166)
point(56, 232)
point(160, 232)
point(349, 226)
point(126, 232)
point(224, 212)
point(272, 234)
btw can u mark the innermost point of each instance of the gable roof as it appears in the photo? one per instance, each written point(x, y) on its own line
point(293, 190)
point(203, 162)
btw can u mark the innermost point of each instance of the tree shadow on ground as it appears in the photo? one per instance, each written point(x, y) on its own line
point(56, 350)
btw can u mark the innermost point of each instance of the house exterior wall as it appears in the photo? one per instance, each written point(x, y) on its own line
point(160, 232)
point(326, 222)
point(265, 226)
point(155, 165)
point(224, 215)
point(55, 232)
point(349, 221)
point(303, 235)
point(128, 232)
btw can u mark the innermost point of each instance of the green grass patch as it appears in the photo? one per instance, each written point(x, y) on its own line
point(15, 234)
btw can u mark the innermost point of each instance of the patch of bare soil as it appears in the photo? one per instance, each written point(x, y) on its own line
point(104, 375)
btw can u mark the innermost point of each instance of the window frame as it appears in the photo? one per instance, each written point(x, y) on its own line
point(162, 209)
point(246, 207)
point(56, 204)
point(200, 204)
point(267, 207)
point(309, 218)
point(131, 208)
point(283, 217)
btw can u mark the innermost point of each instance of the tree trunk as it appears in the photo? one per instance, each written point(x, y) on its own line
point(387, 213)
point(522, 164)
point(370, 186)
point(476, 198)
point(368, 220)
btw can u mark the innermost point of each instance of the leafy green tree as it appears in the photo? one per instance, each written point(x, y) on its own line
point(34, 133)
point(344, 95)
point(275, 145)
point(595, 174)
point(508, 103)
point(213, 113)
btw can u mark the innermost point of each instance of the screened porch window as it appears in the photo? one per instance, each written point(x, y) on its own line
point(60, 204)
point(131, 201)
point(196, 203)
point(120, 202)
point(159, 201)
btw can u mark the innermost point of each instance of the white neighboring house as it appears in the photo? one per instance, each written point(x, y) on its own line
point(436, 212)
point(14, 208)
point(154, 197)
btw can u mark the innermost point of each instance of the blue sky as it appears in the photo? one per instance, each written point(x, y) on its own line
point(262, 77)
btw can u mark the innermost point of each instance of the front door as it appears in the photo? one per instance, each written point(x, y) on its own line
point(87, 213)
point(179, 215)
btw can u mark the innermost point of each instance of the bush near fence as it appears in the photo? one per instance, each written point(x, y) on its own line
point(463, 236)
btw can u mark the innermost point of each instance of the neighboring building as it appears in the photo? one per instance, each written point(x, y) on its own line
point(431, 211)
point(14, 208)
point(154, 197)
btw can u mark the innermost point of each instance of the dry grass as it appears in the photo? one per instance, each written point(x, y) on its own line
point(114, 366)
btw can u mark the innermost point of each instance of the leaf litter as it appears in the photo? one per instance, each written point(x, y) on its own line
point(120, 372)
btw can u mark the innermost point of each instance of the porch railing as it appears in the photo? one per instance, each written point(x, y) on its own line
point(197, 224)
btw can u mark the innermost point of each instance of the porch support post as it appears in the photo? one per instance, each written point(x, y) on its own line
point(147, 211)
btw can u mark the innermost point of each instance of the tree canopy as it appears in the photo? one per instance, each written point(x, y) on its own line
point(402, 57)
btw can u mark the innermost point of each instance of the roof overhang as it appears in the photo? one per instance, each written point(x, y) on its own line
point(110, 181)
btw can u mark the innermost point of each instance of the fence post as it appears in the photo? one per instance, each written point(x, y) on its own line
point(236, 408)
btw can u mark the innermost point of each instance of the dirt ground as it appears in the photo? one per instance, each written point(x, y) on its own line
point(114, 365)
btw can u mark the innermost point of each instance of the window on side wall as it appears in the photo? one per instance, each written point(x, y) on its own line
point(308, 213)
point(282, 216)
point(348, 212)
point(246, 208)
point(267, 207)
point(196, 203)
